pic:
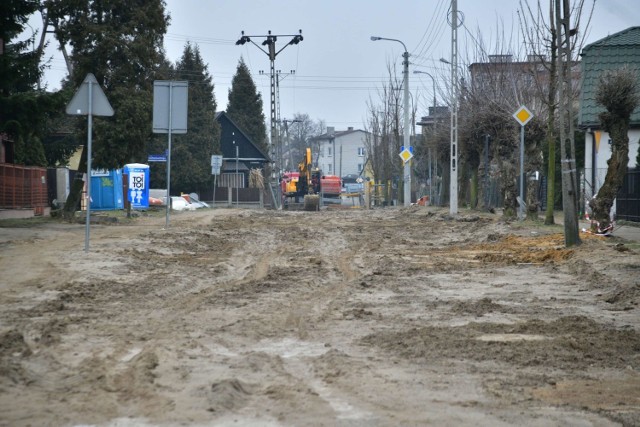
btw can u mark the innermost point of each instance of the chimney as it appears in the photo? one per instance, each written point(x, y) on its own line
point(350, 128)
point(331, 130)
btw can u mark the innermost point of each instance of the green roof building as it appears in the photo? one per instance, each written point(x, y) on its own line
point(613, 52)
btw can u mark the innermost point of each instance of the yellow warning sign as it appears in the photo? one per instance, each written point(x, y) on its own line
point(523, 115)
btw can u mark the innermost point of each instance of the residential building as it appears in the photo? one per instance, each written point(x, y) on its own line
point(340, 153)
point(505, 79)
point(239, 154)
point(610, 53)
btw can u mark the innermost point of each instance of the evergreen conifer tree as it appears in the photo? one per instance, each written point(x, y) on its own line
point(244, 106)
point(191, 157)
point(24, 110)
point(120, 42)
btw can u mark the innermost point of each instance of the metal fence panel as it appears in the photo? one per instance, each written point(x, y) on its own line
point(628, 201)
point(23, 187)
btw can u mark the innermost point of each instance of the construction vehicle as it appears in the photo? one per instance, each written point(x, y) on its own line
point(309, 184)
point(288, 183)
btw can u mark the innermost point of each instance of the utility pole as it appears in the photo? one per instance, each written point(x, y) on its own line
point(270, 43)
point(453, 185)
point(277, 144)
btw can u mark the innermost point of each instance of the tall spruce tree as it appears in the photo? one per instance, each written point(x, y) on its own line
point(24, 110)
point(191, 157)
point(244, 106)
point(120, 42)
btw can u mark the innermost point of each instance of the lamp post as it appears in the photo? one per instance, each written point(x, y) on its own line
point(453, 184)
point(407, 139)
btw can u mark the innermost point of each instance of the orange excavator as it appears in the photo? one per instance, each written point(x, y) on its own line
point(309, 183)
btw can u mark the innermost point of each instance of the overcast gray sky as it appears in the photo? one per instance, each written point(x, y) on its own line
point(337, 67)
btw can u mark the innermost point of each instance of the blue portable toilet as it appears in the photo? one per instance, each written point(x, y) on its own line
point(138, 178)
point(106, 190)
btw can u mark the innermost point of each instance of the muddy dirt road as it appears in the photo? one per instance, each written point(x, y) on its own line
point(335, 318)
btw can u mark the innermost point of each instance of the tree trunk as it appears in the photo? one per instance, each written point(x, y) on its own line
point(75, 193)
point(509, 186)
point(551, 134)
point(533, 204)
point(565, 122)
point(474, 189)
point(617, 168)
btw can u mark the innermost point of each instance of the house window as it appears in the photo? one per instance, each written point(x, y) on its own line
point(329, 151)
point(329, 168)
point(359, 167)
point(361, 151)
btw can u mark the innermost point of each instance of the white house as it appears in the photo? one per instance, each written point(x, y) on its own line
point(341, 153)
point(618, 50)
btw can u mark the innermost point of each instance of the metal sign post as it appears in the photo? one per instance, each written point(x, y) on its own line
point(170, 100)
point(523, 115)
point(216, 164)
point(89, 100)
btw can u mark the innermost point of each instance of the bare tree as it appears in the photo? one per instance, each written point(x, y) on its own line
point(383, 126)
point(500, 83)
point(301, 131)
point(540, 34)
point(570, 190)
point(617, 91)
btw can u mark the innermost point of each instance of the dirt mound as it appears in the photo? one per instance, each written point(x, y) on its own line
point(513, 249)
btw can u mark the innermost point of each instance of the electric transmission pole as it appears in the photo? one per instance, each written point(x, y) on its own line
point(453, 185)
point(270, 43)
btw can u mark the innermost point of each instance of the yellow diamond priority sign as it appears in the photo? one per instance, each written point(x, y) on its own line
point(523, 115)
point(406, 155)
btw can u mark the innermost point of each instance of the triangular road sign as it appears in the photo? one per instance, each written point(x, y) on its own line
point(79, 104)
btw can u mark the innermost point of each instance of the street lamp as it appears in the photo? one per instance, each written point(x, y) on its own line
point(434, 87)
point(453, 184)
point(407, 140)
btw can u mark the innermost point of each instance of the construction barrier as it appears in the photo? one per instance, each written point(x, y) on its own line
point(23, 187)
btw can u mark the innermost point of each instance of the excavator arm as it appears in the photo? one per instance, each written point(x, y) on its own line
point(304, 181)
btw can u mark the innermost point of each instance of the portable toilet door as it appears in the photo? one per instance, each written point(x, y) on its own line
point(138, 188)
point(106, 190)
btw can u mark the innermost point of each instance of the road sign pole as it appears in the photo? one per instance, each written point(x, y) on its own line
point(88, 195)
point(215, 181)
point(522, 116)
point(169, 157)
point(170, 100)
point(89, 102)
point(521, 204)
